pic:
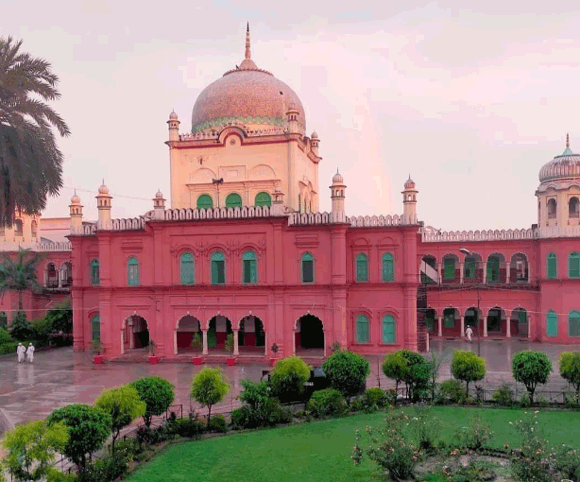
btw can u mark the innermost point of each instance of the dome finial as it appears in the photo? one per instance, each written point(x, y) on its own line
point(248, 53)
point(567, 141)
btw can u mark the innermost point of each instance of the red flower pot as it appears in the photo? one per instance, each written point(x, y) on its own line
point(98, 359)
point(197, 360)
point(231, 362)
point(153, 360)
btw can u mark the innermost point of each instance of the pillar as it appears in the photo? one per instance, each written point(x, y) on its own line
point(462, 326)
point(529, 273)
point(507, 273)
point(439, 273)
point(508, 317)
point(485, 326)
point(484, 274)
point(440, 325)
point(529, 316)
point(236, 351)
point(175, 342)
point(294, 342)
point(204, 336)
point(461, 270)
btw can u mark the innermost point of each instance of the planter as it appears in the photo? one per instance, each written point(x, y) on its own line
point(97, 359)
point(231, 361)
point(153, 360)
point(197, 360)
point(273, 361)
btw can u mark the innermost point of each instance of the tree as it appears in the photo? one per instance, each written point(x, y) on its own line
point(395, 367)
point(467, 367)
point(88, 429)
point(157, 393)
point(570, 369)
point(19, 274)
point(288, 378)
point(347, 372)
point(30, 161)
point(531, 368)
point(60, 317)
point(435, 362)
point(20, 329)
point(416, 375)
point(32, 449)
point(123, 405)
point(208, 387)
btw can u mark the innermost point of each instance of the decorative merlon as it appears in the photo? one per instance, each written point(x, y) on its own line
point(431, 235)
point(43, 246)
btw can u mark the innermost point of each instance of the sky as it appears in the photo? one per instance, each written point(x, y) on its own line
point(469, 98)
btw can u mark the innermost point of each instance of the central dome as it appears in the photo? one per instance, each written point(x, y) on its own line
point(565, 166)
point(245, 95)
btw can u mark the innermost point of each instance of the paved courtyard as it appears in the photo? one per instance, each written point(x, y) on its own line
point(61, 377)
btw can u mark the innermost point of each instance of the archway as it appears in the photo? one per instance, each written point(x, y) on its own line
point(188, 327)
point(431, 320)
point(309, 333)
point(251, 335)
point(519, 323)
point(496, 268)
point(496, 323)
point(471, 317)
point(450, 269)
point(519, 268)
point(136, 333)
point(219, 329)
point(451, 322)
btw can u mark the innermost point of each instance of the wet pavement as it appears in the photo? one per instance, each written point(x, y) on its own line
point(61, 377)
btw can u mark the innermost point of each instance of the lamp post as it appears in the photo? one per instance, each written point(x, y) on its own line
point(466, 252)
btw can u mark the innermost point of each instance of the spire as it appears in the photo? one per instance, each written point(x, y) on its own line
point(568, 151)
point(248, 53)
point(568, 141)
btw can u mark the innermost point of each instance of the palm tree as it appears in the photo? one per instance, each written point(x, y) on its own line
point(30, 161)
point(19, 274)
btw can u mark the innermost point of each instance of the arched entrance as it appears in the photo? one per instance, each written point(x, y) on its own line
point(519, 323)
point(496, 323)
point(309, 333)
point(431, 320)
point(219, 328)
point(188, 327)
point(451, 322)
point(471, 317)
point(251, 335)
point(136, 333)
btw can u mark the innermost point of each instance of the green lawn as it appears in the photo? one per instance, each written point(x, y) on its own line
point(320, 451)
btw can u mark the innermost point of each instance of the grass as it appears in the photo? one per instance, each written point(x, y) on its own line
point(320, 451)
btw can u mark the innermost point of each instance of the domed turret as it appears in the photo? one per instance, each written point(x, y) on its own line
point(410, 199)
point(103, 189)
point(564, 166)
point(76, 214)
point(337, 214)
point(337, 178)
point(104, 207)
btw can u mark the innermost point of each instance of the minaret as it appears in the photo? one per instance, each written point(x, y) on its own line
point(173, 126)
point(159, 206)
point(104, 207)
point(76, 214)
point(410, 200)
point(292, 116)
point(337, 214)
point(314, 142)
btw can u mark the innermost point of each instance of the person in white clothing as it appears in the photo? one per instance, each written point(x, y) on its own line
point(20, 351)
point(30, 353)
point(468, 333)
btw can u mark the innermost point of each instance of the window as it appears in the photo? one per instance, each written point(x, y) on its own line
point(552, 209)
point(449, 320)
point(362, 329)
point(33, 229)
point(493, 269)
point(449, 268)
point(362, 272)
point(307, 266)
point(187, 269)
point(18, 230)
point(96, 327)
point(388, 267)
point(249, 272)
point(389, 330)
point(574, 265)
point(204, 202)
point(263, 199)
point(552, 324)
point(218, 268)
point(470, 268)
point(95, 275)
point(234, 200)
point(133, 272)
point(573, 207)
point(574, 324)
point(66, 274)
point(551, 266)
point(51, 276)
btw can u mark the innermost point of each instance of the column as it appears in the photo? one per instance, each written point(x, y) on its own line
point(529, 325)
point(508, 331)
point(507, 273)
point(131, 333)
point(204, 336)
point(529, 273)
point(236, 352)
point(294, 342)
point(439, 273)
point(175, 342)
point(462, 326)
point(461, 270)
point(440, 325)
point(484, 321)
point(484, 274)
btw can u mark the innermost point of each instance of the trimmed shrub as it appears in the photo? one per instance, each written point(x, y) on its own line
point(288, 378)
point(394, 367)
point(326, 402)
point(570, 369)
point(208, 387)
point(531, 368)
point(20, 329)
point(452, 391)
point(8, 348)
point(106, 469)
point(416, 375)
point(218, 424)
point(374, 398)
point(347, 372)
point(467, 367)
point(189, 428)
point(157, 393)
point(4, 337)
point(504, 396)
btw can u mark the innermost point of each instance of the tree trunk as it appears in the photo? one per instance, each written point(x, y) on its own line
point(208, 415)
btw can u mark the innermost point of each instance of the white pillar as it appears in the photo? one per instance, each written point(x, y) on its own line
point(122, 342)
point(236, 351)
point(484, 274)
point(508, 317)
point(461, 270)
point(440, 325)
point(294, 342)
point(324, 341)
point(485, 326)
point(507, 273)
point(529, 273)
point(175, 342)
point(265, 344)
point(529, 318)
point(462, 326)
point(439, 273)
point(204, 336)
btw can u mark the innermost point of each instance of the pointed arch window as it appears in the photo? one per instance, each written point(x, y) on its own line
point(33, 229)
point(552, 324)
point(307, 268)
point(263, 199)
point(218, 268)
point(95, 273)
point(470, 268)
point(234, 200)
point(362, 329)
point(449, 268)
point(388, 267)
point(493, 269)
point(18, 229)
point(249, 268)
point(204, 202)
point(552, 266)
point(552, 207)
point(573, 205)
point(574, 324)
point(187, 269)
point(362, 267)
point(96, 327)
point(389, 330)
point(574, 265)
point(133, 272)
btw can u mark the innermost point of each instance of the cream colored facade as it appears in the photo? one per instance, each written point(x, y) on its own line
point(26, 229)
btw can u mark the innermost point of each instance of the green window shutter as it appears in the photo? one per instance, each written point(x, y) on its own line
point(362, 329)
point(449, 320)
point(552, 324)
point(263, 199)
point(574, 265)
point(388, 267)
point(95, 275)
point(214, 272)
point(552, 270)
point(96, 328)
point(187, 269)
point(449, 268)
point(249, 265)
point(204, 202)
point(493, 269)
point(307, 268)
point(234, 200)
point(362, 268)
point(574, 324)
point(389, 329)
point(133, 272)
point(469, 268)
point(218, 268)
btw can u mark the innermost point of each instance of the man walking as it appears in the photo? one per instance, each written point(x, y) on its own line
point(468, 333)
point(20, 350)
point(30, 352)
